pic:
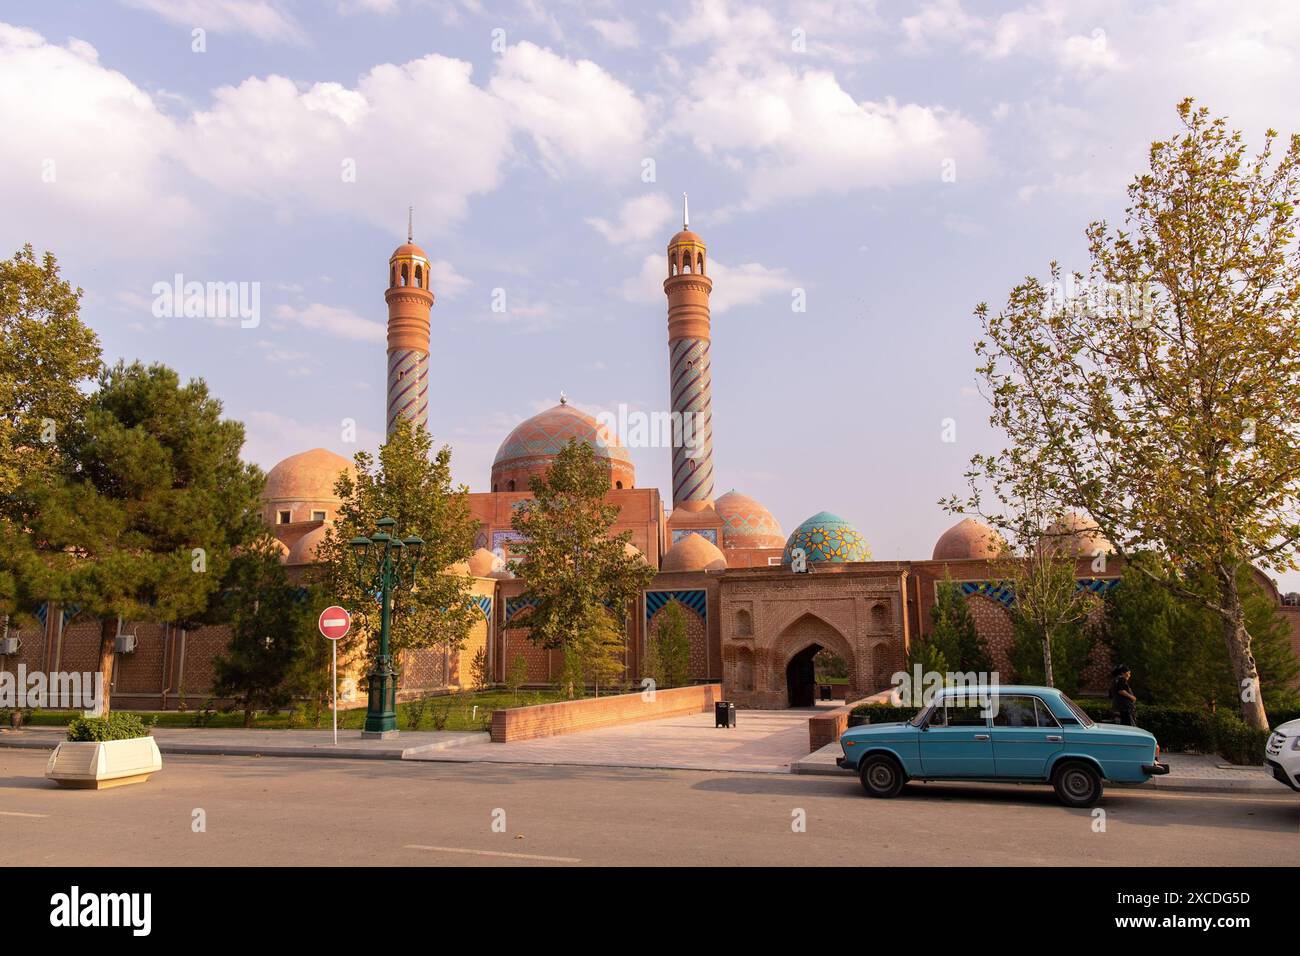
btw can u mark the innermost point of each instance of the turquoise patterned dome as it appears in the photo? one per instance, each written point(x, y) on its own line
point(827, 538)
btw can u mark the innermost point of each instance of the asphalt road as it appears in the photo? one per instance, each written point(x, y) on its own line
point(263, 811)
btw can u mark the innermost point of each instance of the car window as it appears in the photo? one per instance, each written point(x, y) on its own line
point(966, 716)
point(1075, 709)
point(1015, 712)
point(1045, 717)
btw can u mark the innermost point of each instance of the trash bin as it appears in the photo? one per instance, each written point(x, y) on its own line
point(724, 713)
point(825, 691)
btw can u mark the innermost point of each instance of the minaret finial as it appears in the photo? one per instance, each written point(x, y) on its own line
point(410, 224)
point(686, 213)
point(564, 399)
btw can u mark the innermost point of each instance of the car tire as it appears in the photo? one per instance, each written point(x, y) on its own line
point(1077, 784)
point(881, 775)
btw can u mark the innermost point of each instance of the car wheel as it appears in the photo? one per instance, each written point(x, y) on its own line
point(881, 776)
point(1077, 784)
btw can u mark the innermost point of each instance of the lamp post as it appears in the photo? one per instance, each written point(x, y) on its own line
point(385, 563)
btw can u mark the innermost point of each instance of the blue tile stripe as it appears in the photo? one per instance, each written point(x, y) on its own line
point(1005, 594)
point(697, 601)
point(484, 604)
point(515, 605)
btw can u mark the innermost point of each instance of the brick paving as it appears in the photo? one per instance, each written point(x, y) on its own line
point(763, 741)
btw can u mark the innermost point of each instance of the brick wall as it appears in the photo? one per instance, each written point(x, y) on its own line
point(568, 717)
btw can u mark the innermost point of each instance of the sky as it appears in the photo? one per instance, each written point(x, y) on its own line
point(889, 165)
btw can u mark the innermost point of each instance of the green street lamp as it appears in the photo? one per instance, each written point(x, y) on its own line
point(385, 563)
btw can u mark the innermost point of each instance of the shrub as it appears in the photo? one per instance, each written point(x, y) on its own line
point(118, 725)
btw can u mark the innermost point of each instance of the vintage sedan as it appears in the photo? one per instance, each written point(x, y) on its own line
point(1015, 735)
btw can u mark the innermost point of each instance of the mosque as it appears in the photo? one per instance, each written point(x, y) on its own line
point(756, 618)
point(760, 604)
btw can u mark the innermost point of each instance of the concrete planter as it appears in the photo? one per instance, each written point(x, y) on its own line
point(99, 765)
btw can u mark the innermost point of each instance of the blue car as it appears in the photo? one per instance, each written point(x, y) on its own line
point(1023, 735)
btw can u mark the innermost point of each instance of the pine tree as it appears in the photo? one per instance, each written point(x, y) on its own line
point(149, 506)
point(271, 623)
point(953, 632)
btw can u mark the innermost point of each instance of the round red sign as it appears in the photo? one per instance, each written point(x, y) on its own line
point(334, 622)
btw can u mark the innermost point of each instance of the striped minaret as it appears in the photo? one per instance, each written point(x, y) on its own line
point(409, 300)
point(690, 383)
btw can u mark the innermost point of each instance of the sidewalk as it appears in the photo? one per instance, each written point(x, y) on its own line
point(1193, 773)
point(270, 743)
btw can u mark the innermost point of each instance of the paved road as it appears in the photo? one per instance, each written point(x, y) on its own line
point(302, 811)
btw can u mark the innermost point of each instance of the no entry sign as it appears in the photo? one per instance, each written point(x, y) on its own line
point(334, 622)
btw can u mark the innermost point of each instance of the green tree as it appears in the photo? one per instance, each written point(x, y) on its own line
point(953, 632)
point(271, 623)
point(480, 673)
point(1051, 641)
point(1161, 401)
point(47, 356)
point(406, 484)
point(597, 654)
point(571, 563)
point(669, 661)
point(1175, 647)
point(149, 506)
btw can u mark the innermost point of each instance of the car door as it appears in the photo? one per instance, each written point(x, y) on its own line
point(1025, 736)
point(956, 742)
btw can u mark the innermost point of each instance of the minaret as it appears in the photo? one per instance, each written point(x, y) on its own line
point(409, 301)
point(690, 382)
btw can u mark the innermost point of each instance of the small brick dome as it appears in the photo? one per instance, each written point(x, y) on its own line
point(307, 476)
point(693, 552)
point(304, 549)
point(968, 538)
point(1077, 535)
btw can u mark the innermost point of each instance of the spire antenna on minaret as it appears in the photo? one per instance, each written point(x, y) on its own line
point(410, 224)
point(686, 213)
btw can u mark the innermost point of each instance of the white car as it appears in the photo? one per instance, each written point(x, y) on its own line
point(1282, 754)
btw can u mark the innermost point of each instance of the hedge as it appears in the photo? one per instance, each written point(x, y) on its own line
point(1178, 729)
point(118, 725)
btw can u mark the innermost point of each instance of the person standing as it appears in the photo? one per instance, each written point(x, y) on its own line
point(1122, 698)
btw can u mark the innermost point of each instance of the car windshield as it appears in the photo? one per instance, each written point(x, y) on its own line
point(1075, 709)
point(921, 714)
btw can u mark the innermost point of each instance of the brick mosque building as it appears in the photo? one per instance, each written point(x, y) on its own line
point(756, 617)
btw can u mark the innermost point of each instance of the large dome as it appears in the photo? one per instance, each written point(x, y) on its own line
point(968, 538)
point(827, 538)
point(533, 445)
point(303, 484)
point(746, 523)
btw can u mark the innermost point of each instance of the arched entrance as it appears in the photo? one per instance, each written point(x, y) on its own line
point(801, 678)
point(798, 645)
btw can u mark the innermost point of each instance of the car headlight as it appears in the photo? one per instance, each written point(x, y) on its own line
point(1295, 742)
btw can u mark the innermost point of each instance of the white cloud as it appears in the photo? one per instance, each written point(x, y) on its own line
point(620, 34)
point(639, 219)
point(802, 134)
point(83, 144)
point(260, 18)
point(580, 117)
point(333, 322)
point(292, 147)
point(733, 286)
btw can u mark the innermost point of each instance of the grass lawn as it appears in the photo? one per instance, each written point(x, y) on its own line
point(467, 711)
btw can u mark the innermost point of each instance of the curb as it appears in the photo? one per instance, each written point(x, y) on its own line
point(217, 750)
point(1264, 785)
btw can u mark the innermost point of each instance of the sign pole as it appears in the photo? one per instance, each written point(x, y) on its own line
point(334, 623)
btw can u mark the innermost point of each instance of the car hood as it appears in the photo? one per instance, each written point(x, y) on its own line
point(875, 730)
point(1290, 729)
point(1118, 730)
